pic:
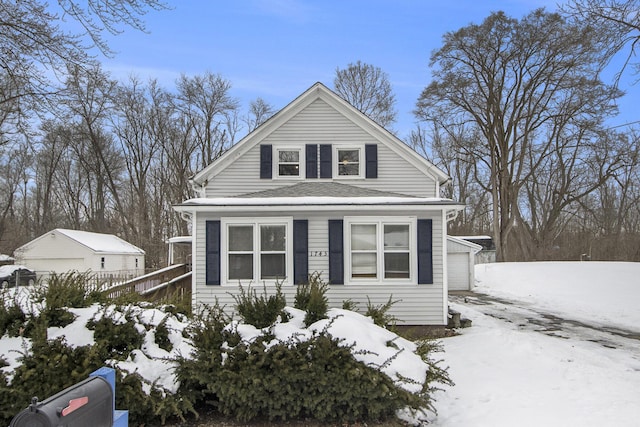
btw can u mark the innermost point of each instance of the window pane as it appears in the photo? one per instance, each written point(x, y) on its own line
point(289, 156)
point(241, 238)
point(363, 265)
point(396, 236)
point(240, 267)
point(396, 265)
point(272, 238)
point(289, 170)
point(348, 169)
point(348, 156)
point(273, 266)
point(363, 237)
point(348, 162)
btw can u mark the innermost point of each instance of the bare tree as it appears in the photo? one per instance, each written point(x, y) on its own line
point(206, 103)
point(618, 21)
point(33, 46)
point(523, 84)
point(368, 89)
point(259, 112)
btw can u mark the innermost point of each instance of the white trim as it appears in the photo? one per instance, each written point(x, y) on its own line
point(445, 267)
point(255, 223)
point(412, 221)
point(252, 208)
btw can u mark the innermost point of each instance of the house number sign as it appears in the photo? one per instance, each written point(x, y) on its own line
point(318, 253)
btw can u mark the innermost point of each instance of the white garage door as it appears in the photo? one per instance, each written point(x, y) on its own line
point(458, 271)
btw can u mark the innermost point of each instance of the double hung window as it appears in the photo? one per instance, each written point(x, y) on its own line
point(258, 250)
point(289, 162)
point(381, 250)
point(348, 162)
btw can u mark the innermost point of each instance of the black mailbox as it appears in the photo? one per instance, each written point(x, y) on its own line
point(87, 403)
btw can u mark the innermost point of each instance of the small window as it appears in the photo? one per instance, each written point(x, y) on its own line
point(102, 263)
point(289, 163)
point(348, 162)
point(136, 262)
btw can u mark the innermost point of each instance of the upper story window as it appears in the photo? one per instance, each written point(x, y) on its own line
point(289, 162)
point(348, 162)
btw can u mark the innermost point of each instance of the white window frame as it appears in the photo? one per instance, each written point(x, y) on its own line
point(256, 223)
point(380, 222)
point(361, 161)
point(301, 163)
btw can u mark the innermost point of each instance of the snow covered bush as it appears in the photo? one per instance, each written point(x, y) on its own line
point(340, 369)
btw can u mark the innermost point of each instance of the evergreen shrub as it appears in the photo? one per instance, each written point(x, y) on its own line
point(261, 311)
point(380, 314)
point(311, 298)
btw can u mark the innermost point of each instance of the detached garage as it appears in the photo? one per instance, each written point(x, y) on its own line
point(61, 251)
point(460, 261)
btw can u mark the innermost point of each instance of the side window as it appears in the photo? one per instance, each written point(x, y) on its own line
point(289, 163)
point(348, 162)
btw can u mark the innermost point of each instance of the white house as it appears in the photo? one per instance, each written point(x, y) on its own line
point(60, 251)
point(322, 188)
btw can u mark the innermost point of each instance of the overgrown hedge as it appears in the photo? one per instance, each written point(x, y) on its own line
point(317, 378)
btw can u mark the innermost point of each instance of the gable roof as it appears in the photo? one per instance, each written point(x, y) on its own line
point(98, 242)
point(318, 91)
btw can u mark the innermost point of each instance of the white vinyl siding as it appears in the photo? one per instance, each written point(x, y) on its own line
point(319, 123)
point(418, 304)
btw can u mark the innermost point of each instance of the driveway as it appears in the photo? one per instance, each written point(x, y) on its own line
point(527, 317)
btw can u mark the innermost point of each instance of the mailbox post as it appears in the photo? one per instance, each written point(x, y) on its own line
point(88, 403)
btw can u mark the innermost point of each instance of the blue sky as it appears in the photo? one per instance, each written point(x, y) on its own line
point(276, 49)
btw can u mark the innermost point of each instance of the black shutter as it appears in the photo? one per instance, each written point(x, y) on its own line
point(336, 252)
point(311, 156)
point(212, 253)
point(326, 169)
point(300, 251)
point(265, 161)
point(425, 251)
point(371, 154)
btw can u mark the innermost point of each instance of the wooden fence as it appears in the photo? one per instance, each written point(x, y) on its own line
point(157, 285)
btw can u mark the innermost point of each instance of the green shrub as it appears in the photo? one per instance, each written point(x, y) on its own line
point(311, 297)
point(199, 371)
point(318, 379)
point(162, 335)
point(261, 311)
point(70, 290)
point(117, 338)
point(380, 314)
point(350, 305)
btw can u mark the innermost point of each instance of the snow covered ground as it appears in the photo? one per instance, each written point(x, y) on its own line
point(552, 344)
point(539, 352)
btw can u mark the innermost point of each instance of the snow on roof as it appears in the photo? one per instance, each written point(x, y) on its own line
point(99, 242)
point(305, 200)
point(5, 258)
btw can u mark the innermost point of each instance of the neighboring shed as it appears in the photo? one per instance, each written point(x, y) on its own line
point(60, 251)
point(461, 259)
